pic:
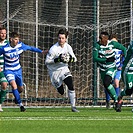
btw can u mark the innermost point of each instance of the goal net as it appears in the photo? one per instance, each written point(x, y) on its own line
point(38, 21)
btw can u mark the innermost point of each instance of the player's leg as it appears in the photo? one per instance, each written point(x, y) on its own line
point(117, 82)
point(19, 83)
point(107, 99)
point(3, 91)
point(71, 92)
point(128, 90)
point(107, 77)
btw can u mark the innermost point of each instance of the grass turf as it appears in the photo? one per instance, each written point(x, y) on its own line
point(62, 120)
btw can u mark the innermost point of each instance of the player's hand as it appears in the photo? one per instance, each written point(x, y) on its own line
point(111, 59)
point(58, 59)
point(44, 52)
point(0, 69)
point(71, 59)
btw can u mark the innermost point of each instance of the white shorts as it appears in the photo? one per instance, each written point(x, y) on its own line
point(58, 76)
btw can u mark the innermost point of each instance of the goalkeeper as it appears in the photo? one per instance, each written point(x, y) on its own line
point(57, 59)
point(104, 55)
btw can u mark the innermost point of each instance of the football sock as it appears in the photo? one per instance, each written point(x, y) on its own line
point(117, 90)
point(71, 95)
point(16, 95)
point(112, 92)
point(123, 93)
point(107, 95)
point(2, 96)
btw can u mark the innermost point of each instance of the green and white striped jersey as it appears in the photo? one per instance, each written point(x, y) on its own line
point(1, 56)
point(128, 63)
point(101, 53)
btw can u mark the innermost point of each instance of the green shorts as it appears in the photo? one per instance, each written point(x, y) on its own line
point(128, 80)
point(2, 77)
point(111, 72)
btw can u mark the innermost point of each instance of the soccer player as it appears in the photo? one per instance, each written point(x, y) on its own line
point(58, 66)
point(119, 63)
point(127, 75)
point(3, 80)
point(12, 67)
point(104, 55)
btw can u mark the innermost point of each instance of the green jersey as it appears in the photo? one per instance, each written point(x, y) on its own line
point(101, 53)
point(1, 56)
point(128, 63)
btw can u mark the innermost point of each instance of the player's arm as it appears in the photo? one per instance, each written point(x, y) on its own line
point(1, 51)
point(119, 46)
point(127, 58)
point(96, 57)
point(31, 48)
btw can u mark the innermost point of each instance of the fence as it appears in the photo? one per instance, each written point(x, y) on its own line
point(38, 21)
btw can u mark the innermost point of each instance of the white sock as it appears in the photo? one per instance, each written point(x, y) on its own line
point(71, 95)
point(20, 104)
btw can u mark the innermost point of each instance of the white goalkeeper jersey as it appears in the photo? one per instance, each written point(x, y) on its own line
point(54, 52)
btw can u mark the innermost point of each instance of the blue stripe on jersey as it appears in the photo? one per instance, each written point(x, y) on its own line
point(119, 58)
point(12, 54)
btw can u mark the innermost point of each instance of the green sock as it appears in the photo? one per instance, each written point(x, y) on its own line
point(123, 93)
point(2, 96)
point(112, 92)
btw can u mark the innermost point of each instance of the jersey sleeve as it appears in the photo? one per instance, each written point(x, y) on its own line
point(1, 51)
point(50, 57)
point(96, 57)
point(127, 58)
point(119, 46)
point(31, 48)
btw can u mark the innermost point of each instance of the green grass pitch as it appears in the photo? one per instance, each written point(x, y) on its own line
point(62, 120)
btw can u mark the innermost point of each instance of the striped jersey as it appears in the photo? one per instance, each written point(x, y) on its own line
point(12, 55)
point(119, 58)
point(101, 53)
point(128, 62)
point(1, 56)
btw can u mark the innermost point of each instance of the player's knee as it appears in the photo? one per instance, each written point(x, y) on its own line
point(107, 81)
point(61, 90)
point(20, 89)
point(129, 92)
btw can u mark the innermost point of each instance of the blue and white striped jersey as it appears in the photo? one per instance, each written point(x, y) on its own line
point(12, 55)
point(119, 58)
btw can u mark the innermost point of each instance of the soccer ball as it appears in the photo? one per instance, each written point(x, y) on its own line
point(65, 57)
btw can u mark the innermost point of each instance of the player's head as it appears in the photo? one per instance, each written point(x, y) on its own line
point(113, 37)
point(14, 38)
point(2, 34)
point(103, 38)
point(62, 36)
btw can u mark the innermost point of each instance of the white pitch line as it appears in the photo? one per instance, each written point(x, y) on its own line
point(64, 118)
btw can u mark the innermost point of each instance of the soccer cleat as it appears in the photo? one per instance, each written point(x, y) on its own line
point(119, 104)
point(132, 109)
point(108, 105)
point(22, 109)
point(74, 109)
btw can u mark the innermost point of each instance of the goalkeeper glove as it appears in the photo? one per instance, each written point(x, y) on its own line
point(71, 59)
point(111, 59)
point(58, 59)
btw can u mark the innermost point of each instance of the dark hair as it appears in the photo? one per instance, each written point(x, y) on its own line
point(114, 35)
point(63, 31)
point(104, 33)
point(2, 28)
point(14, 34)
